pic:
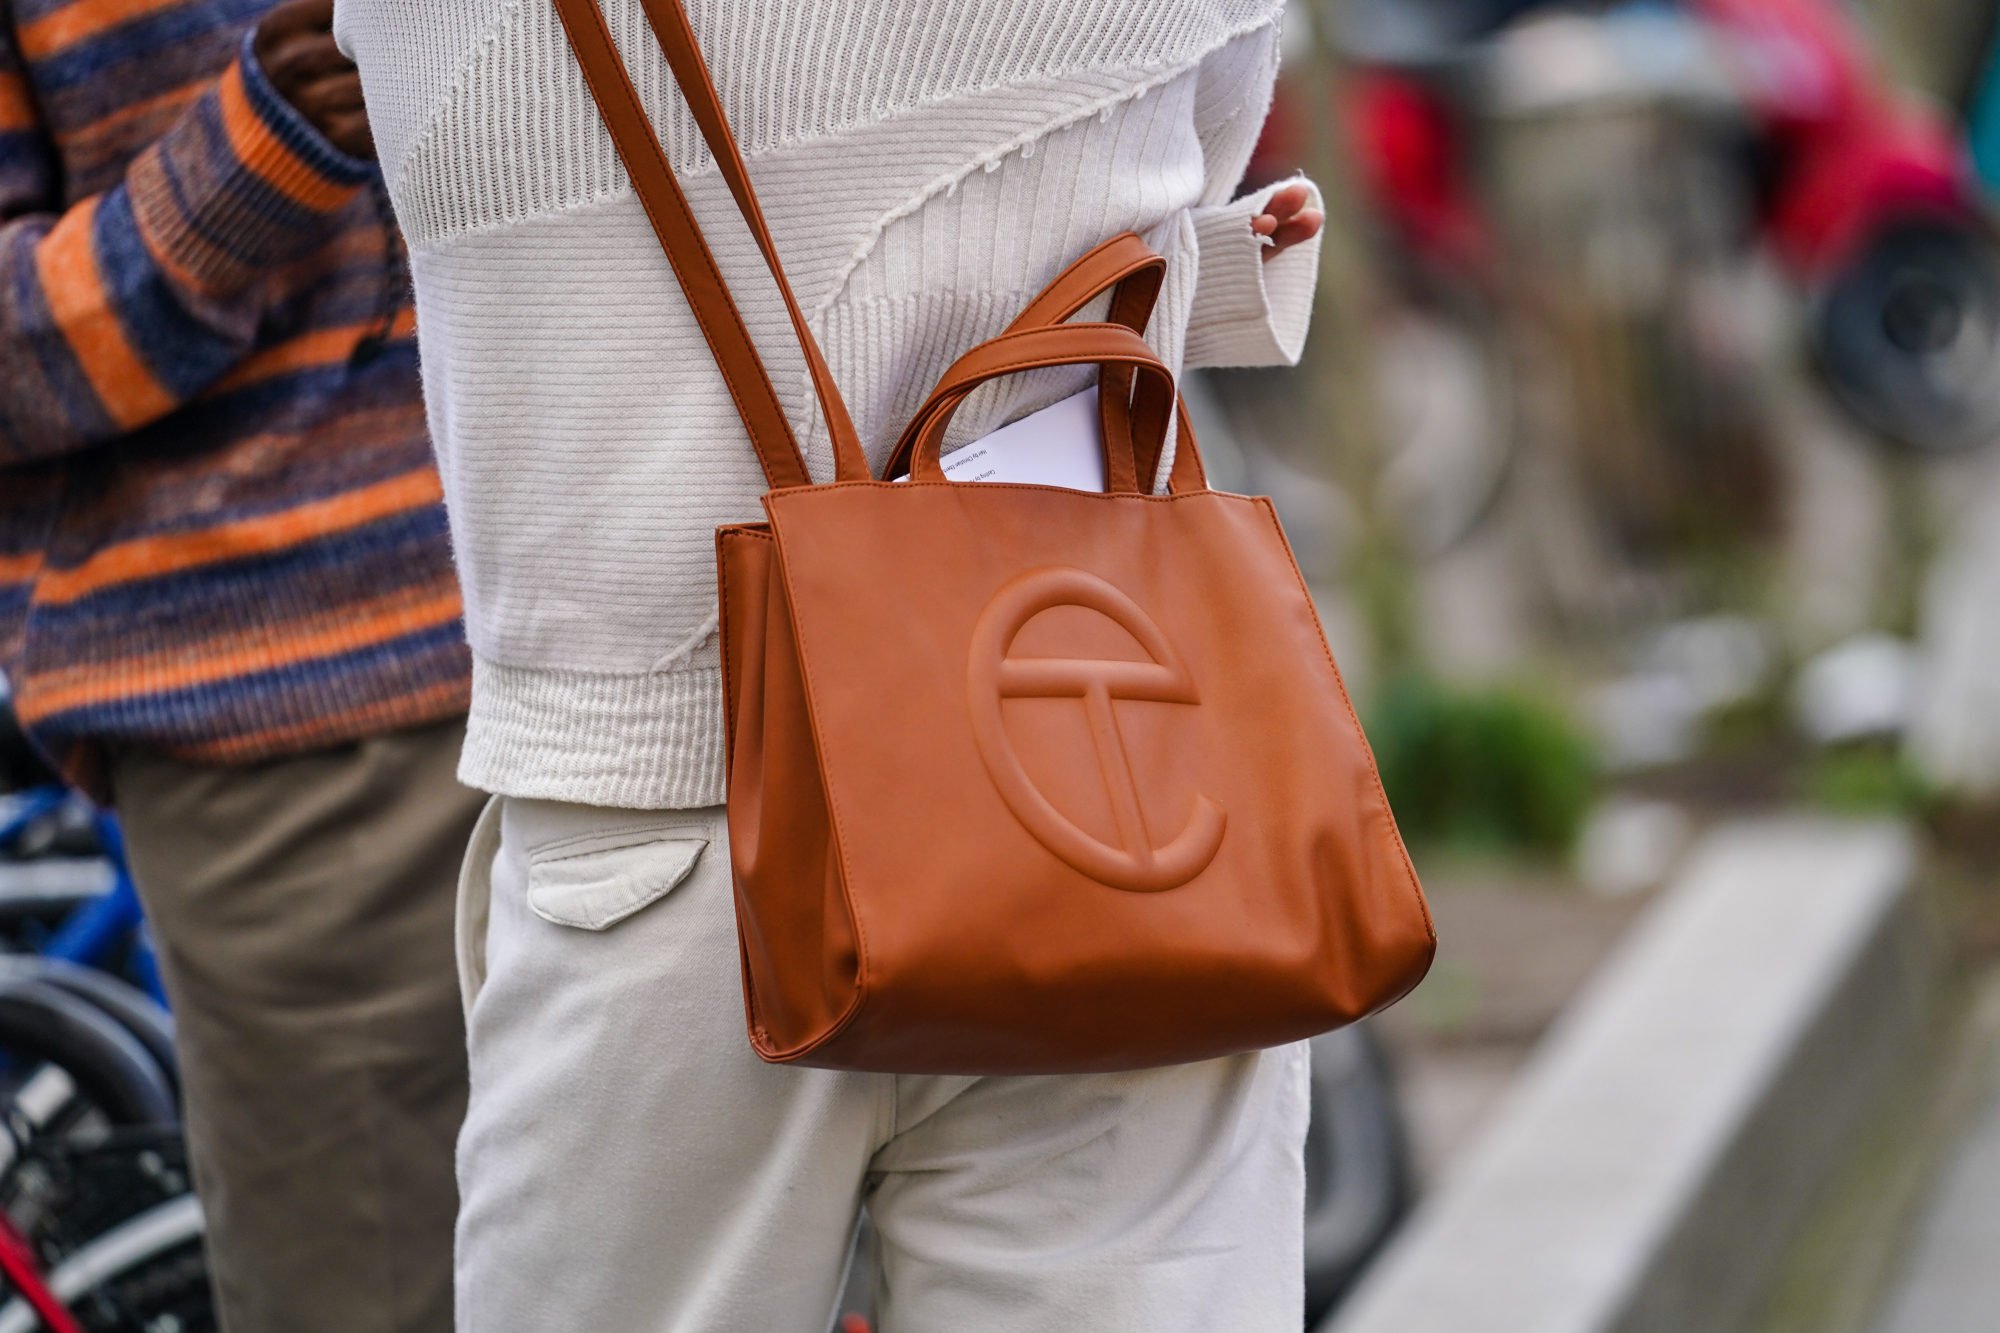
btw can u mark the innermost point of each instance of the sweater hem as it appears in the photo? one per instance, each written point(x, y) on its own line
point(83, 760)
point(631, 741)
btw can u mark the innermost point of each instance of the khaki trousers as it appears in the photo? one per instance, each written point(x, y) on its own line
point(629, 1165)
point(302, 911)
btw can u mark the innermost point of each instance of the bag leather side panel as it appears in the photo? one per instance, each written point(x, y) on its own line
point(801, 967)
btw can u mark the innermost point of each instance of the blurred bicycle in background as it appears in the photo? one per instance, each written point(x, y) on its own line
point(100, 1231)
point(1599, 236)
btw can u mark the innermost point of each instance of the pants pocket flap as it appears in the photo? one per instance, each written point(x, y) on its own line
point(597, 889)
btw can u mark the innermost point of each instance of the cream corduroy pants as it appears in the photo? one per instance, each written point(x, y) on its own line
point(629, 1165)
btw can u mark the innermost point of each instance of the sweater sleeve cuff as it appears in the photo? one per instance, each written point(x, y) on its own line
point(1250, 311)
point(242, 183)
point(277, 142)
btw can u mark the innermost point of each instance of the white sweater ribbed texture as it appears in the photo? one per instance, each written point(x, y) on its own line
point(926, 166)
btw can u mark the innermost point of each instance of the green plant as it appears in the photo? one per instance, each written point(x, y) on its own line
point(1867, 779)
point(1484, 769)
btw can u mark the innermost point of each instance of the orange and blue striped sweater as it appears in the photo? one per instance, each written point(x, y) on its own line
point(221, 530)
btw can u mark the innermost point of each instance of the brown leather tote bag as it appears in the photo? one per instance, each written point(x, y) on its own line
point(1022, 779)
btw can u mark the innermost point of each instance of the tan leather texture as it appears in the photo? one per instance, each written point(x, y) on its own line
point(1022, 779)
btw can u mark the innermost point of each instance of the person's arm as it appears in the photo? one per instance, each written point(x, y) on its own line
point(1259, 254)
point(128, 303)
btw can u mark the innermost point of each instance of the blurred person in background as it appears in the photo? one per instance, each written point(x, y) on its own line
point(226, 602)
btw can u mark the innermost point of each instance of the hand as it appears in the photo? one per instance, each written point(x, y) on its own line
point(1287, 220)
point(294, 46)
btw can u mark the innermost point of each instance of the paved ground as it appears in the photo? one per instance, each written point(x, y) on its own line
point(1949, 1281)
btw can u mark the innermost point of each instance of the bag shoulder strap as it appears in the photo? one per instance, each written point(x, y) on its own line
point(680, 235)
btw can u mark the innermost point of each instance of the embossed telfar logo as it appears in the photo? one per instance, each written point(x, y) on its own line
point(1135, 863)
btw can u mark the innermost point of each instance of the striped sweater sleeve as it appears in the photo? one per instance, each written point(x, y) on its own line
point(121, 306)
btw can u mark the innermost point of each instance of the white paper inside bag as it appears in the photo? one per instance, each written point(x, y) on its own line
point(1057, 446)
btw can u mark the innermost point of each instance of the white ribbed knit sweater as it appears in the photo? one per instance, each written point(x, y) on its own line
point(926, 165)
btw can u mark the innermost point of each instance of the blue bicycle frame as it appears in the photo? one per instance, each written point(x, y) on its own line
point(92, 934)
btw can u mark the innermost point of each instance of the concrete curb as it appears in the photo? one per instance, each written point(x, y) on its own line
point(1669, 1136)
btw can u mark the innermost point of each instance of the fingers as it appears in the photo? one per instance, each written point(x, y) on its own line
point(1287, 229)
point(1301, 226)
point(297, 63)
point(334, 105)
point(1283, 203)
point(348, 131)
point(1286, 220)
point(336, 97)
point(295, 48)
point(292, 19)
point(295, 16)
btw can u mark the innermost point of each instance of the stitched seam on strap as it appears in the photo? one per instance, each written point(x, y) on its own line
point(831, 405)
point(622, 90)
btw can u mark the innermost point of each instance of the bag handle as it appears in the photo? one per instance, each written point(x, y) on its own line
point(1132, 272)
point(687, 251)
point(1124, 265)
point(1188, 474)
point(1106, 345)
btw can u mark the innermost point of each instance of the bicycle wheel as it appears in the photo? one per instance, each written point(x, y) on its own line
point(130, 1007)
point(1907, 336)
point(93, 1170)
point(46, 1028)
